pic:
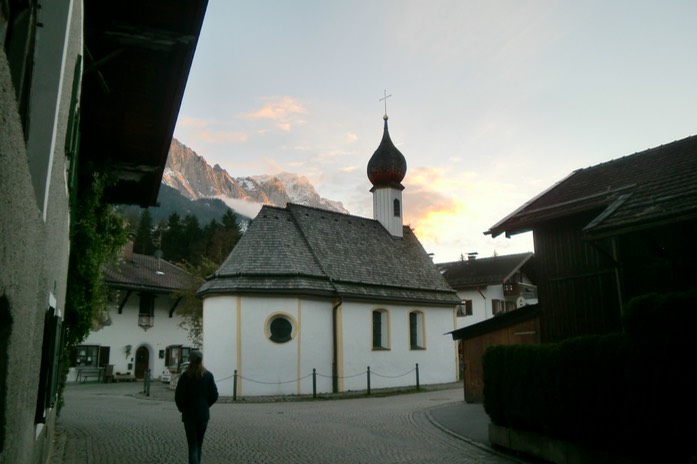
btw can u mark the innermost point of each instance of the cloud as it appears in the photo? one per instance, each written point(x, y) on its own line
point(243, 207)
point(282, 111)
point(208, 131)
point(216, 137)
point(449, 210)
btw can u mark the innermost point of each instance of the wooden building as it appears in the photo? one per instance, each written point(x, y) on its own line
point(519, 327)
point(610, 232)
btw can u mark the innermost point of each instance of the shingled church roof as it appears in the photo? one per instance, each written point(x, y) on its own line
point(304, 250)
point(654, 187)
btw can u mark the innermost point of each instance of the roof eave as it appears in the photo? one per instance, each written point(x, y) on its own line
point(129, 104)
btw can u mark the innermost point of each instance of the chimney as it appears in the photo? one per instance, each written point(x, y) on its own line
point(128, 250)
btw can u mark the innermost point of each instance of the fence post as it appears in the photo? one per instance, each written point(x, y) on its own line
point(417, 376)
point(314, 383)
point(234, 386)
point(146, 382)
point(369, 380)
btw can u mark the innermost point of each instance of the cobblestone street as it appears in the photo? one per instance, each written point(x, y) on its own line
point(116, 423)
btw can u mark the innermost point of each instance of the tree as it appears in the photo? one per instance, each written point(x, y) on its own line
point(223, 239)
point(143, 241)
point(98, 234)
point(191, 308)
point(173, 246)
point(208, 249)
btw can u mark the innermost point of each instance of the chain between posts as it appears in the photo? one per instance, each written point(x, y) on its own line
point(236, 378)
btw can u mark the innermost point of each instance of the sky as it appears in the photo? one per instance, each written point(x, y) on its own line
point(492, 102)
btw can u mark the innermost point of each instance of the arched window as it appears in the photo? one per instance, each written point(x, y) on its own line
point(397, 208)
point(416, 330)
point(380, 332)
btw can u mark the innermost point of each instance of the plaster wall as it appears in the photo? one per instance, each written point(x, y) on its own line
point(124, 331)
point(220, 349)
point(236, 337)
point(383, 209)
point(481, 304)
point(264, 366)
point(395, 367)
point(23, 283)
point(34, 250)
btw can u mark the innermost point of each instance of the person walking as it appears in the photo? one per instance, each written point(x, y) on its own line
point(196, 392)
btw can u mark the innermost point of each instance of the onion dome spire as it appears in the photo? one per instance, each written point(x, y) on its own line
point(387, 166)
point(386, 169)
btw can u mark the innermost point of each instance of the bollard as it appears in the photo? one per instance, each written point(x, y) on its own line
point(234, 386)
point(417, 376)
point(369, 380)
point(314, 383)
point(146, 382)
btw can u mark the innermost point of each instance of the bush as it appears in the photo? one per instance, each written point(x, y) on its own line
point(571, 390)
point(660, 405)
point(632, 393)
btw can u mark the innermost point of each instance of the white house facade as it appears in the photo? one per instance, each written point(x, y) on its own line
point(491, 286)
point(313, 297)
point(141, 332)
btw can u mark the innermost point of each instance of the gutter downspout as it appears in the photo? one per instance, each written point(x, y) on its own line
point(335, 348)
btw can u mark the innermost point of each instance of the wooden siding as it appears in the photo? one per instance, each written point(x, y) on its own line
point(583, 288)
point(577, 282)
point(472, 349)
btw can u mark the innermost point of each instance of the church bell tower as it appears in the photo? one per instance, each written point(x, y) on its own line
point(386, 169)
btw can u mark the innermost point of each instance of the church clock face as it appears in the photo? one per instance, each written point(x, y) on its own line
point(280, 329)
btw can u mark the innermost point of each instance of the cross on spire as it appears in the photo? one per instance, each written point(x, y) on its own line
point(385, 100)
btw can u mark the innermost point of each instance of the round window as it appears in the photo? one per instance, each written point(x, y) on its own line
point(280, 329)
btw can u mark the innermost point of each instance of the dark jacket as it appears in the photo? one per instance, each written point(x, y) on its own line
point(195, 395)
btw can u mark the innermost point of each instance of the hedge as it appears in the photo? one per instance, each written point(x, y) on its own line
point(632, 392)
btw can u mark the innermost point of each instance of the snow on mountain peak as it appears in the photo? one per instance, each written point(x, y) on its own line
point(189, 173)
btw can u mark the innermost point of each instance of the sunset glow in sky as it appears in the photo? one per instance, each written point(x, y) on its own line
point(492, 101)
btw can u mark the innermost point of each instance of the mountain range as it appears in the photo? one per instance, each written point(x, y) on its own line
point(192, 176)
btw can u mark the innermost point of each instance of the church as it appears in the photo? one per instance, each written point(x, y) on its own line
point(313, 300)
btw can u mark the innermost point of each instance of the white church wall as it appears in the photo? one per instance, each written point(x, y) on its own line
point(315, 338)
point(124, 331)
point(266, 367)
point(220, 316)
point(270, 368)
point(395, 367)
point(383, 209)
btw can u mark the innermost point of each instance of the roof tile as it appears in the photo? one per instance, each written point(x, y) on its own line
point(653, 186)
point(313, 250)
